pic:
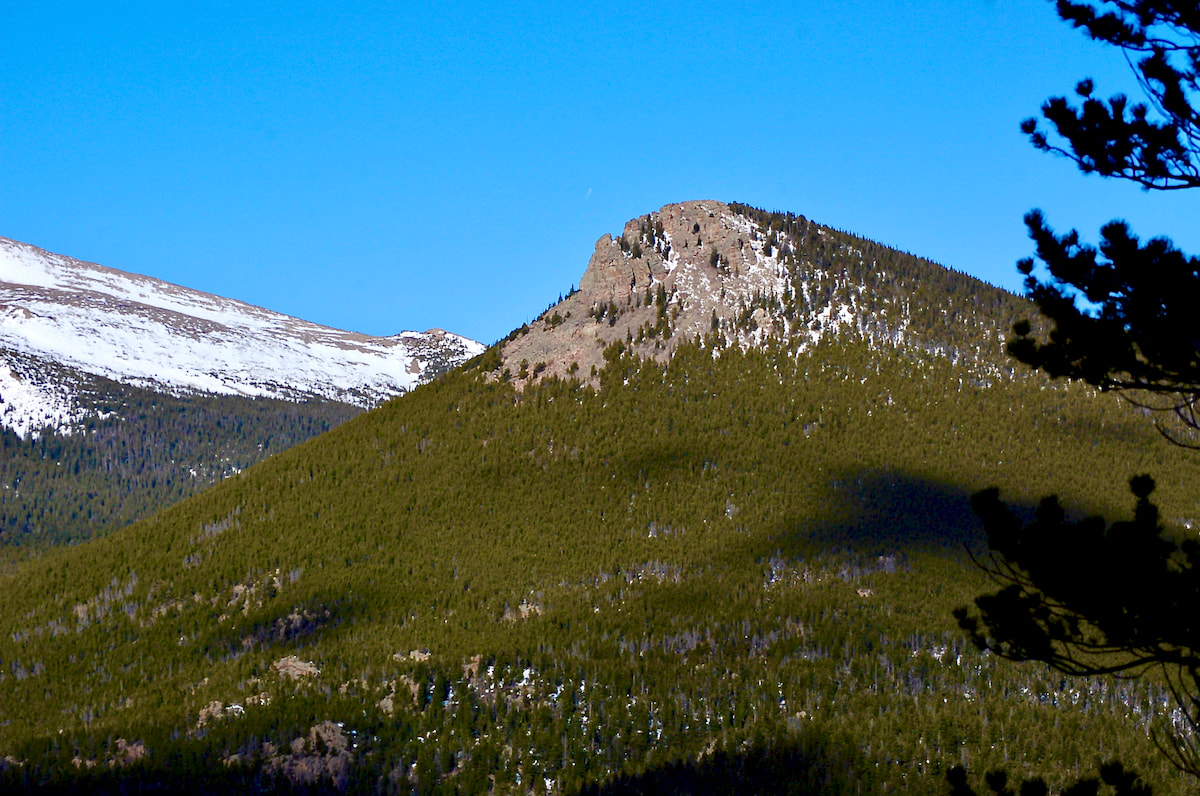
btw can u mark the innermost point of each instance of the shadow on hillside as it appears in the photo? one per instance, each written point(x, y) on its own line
point(800, 766)
point(876, 512)
point(656, 461)
point(881, 511)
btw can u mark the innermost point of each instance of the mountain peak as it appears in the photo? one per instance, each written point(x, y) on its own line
point(738, 276)
point(620, 264)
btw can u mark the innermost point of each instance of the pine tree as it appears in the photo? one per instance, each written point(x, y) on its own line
point(1087, 597)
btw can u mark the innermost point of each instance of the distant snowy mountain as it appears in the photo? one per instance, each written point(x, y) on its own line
point(62, 319)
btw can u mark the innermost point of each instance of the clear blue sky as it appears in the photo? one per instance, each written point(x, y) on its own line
point(385, 166)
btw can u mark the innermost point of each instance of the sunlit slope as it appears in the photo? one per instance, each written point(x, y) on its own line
point(563, 584)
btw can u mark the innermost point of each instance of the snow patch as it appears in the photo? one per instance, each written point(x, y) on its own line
point(27, 406)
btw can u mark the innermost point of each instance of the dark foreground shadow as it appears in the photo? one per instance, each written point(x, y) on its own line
point(811, 766)
point(882, 511)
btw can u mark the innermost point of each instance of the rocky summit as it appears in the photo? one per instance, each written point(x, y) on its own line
point(746, 277)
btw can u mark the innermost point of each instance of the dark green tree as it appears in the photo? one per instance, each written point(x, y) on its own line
point(1121, 313)
point(1088, 597)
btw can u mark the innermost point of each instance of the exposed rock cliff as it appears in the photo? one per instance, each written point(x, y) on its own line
point(739, 276)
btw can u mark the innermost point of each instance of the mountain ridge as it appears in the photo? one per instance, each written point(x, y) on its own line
point(121, 393)
point(154, 334)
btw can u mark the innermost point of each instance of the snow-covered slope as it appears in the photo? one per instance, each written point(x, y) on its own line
point(57, 312)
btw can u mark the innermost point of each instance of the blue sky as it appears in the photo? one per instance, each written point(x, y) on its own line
point(385, 166)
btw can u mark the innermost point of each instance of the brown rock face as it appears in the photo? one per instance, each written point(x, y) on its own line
point(613, 274)
point(656, 285)
point(731, 276)
point(617, 271)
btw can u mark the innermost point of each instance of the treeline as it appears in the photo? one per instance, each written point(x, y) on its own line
point(943, 310)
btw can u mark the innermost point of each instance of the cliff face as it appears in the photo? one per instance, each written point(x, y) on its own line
point(659, 282)
point(739, 276)
point(678, 234)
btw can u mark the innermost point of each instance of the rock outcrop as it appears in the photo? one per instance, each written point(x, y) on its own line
point(660, 282)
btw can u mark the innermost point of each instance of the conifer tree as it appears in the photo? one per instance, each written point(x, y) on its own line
point(1088, 597)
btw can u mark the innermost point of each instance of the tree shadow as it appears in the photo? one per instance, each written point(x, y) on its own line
point(285, 623)
point(877, 512)
point(882, 510)
point(799, 765)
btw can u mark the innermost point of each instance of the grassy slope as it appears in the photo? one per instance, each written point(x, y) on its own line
point(742, 552)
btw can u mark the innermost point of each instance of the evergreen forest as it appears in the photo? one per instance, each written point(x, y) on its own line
point(135, 451)
point(732, 570)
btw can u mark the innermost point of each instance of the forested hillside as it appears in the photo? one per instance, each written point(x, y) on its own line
point(735, 564)
point(135, 452)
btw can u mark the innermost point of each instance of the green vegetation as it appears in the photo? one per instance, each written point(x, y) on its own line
point(138, 452)
point(738, 566)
